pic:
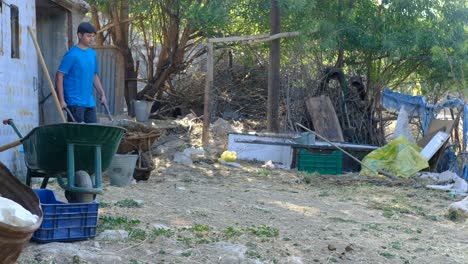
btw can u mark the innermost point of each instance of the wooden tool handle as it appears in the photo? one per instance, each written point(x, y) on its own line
point(46, 73)
point(10, 145)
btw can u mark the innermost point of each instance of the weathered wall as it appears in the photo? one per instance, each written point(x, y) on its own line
point(52, 38)
point(18, 80)
point(53, 18)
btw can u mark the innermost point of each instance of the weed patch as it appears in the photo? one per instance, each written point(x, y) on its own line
point(264, 231)
point(128, 203)
point(114, 223)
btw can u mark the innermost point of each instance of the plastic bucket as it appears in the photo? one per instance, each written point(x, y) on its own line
point(13, 238)
point(121, 170)
point(142, 110)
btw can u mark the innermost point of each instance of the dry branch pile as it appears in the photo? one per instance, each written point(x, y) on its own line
point(240, 93)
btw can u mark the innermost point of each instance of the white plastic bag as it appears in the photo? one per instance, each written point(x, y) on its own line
point(11, 213)
point(402, 126)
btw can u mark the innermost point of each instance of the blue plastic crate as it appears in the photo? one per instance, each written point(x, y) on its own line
point(65, 221)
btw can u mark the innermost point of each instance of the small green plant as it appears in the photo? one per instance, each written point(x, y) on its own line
point(128, 203)
point(286, 239)
point(323, 194)
point(186, 254)
point(103, 204)
point(162, 232)
point(113, 223)
point(307, 179)
point(233, 232)
point(263, 172)
point(387, 255)
point(251, 244)
point(264, 231)
point(253, 254)
point(185, 240)
point(162, 252)
point(395, 245)
point(187, 180)
point(76, 259)
point(137, 234)
point(200, 228)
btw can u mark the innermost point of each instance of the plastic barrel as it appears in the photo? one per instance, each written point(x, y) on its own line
point(13, 238)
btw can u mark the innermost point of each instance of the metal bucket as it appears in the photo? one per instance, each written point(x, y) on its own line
point(142, 110)
point(13, 238)
point(121, 170)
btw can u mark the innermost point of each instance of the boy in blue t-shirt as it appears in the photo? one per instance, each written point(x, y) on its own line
point(76, 76)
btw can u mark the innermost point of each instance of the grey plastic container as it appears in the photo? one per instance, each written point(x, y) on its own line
point(120, 171)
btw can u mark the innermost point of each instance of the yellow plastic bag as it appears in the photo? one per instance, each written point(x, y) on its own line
point(399, 157)
point(229, 156)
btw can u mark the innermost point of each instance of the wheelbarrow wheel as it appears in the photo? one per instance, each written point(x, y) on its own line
point(82, 179)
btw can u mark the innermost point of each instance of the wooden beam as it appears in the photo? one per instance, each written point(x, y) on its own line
point(255, 38)
point(208, 84)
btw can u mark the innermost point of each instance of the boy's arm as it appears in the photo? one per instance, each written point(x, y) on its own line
point(59, 84)
point(98, 86)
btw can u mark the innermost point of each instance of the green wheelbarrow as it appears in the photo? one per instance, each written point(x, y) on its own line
point(70, 152)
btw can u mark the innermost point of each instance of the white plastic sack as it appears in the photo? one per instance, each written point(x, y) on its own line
point(11, 213)
point(402, 125)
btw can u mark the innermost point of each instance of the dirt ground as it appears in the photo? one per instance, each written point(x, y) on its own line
point(213, 213)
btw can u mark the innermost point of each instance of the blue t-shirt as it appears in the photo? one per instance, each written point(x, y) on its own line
point(79, 67)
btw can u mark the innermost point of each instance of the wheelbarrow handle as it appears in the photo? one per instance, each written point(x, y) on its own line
point(10, 145)
point(69, 114)
point(7, 121)
point(107, 111)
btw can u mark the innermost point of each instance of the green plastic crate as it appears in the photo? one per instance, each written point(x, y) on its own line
point(321, 161)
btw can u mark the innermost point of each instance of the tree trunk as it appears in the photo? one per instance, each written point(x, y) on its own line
point(119, 35)
point(340, 60)
point(274, 70)
point(95, 19)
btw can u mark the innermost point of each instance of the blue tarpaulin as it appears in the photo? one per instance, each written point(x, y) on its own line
point(417, 106)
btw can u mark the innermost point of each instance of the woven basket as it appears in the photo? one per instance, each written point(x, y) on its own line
point(13, 238)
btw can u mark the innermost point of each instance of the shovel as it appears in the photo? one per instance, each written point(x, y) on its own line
point(107, 111)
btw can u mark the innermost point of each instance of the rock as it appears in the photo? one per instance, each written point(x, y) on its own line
point(69, 253)
point(167, 145)
point(349, 248)
point(140, 203)
point(181, 158)
point(221, 128)
point(160, 226)
point(331, 247)
point(458, 211)
point(194, 152)
point(291, 260)
point(113, 235)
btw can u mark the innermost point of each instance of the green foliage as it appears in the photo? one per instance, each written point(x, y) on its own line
point(163, 232)
point(264, 231)
point(113, 223)
point(390, 42)
point(200, 228)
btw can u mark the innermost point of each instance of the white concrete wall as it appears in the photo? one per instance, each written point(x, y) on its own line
point(18, 80)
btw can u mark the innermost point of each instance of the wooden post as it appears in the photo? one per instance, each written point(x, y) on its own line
point(209, 74)
point(208, 84)
point(274, 70)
